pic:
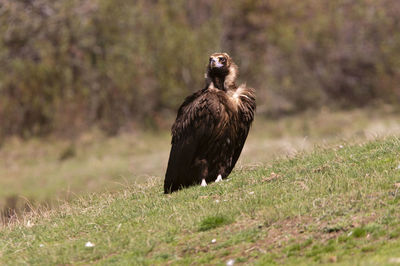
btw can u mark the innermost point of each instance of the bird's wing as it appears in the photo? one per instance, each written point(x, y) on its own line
point(246, 114)
point(238, 148)
point(194, 128)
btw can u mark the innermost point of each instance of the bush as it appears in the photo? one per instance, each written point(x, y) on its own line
point(68, 65)
point(72, 64)
point(304, 54)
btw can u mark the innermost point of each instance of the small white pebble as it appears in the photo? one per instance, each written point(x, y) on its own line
point(225, 200)
point(89, 244)
point(29, 224)
point(349, 234)
point(251, 192)
point(119, 226)
point(340, 146)
point(217, 201)
point(214, 241)
point(41, 245)
point(230, 262)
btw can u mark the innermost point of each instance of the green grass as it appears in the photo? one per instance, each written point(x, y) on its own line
point(214, 221)
point(50, 171)
point(332, 205)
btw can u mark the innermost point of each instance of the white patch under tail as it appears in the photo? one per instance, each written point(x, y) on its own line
point(219, 179)
point(203, 183)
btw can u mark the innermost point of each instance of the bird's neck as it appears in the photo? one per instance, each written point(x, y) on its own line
point(219, 82)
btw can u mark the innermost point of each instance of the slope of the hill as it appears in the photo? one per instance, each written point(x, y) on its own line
point(338, 205)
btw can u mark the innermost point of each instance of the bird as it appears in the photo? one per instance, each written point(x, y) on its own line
point(211, 128)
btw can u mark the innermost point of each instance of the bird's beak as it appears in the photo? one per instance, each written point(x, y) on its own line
point(215, 63)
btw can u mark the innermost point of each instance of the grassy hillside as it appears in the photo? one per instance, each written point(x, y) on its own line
point(51, 170)
point(339, 204)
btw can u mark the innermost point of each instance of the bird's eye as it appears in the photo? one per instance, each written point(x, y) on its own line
point(222, 59)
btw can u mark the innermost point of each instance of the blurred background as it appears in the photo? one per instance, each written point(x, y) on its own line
point(90, 88)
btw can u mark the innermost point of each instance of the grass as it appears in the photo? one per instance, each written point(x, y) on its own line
point(331, 205)
point(50, 171)
point(214, 221)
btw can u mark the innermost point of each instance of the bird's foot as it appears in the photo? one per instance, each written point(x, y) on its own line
point(219, 179)
point(203, 183)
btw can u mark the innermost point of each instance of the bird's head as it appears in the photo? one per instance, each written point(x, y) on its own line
point(219, 63)
point(221, 66)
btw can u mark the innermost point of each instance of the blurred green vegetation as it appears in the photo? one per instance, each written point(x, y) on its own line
point(66, 66)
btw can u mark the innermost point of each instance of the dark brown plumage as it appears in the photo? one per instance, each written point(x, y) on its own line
point(211, 128)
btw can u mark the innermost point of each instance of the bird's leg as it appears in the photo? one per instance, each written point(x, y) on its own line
point(203, 171)
point(219, 178)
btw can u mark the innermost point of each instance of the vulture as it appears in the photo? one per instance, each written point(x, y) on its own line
point(211, 128)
